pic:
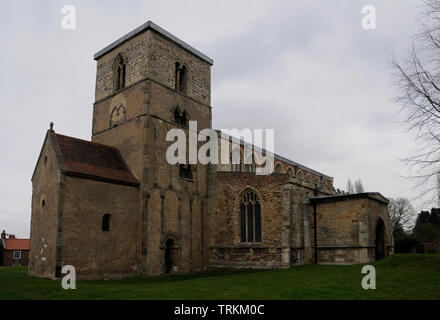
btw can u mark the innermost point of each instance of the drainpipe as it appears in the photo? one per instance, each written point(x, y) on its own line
point(316, 228)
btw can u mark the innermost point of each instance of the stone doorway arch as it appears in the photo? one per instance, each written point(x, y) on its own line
point(170, 255)
point(380, 240)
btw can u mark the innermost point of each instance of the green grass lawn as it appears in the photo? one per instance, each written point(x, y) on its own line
point(407, 276)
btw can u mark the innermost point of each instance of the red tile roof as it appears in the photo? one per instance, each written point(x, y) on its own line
point(17, 244)
point(94, 160)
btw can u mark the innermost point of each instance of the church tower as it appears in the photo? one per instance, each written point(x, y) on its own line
point(149, 82)
point(115, 207)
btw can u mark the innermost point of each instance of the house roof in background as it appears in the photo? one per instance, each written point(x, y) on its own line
point(16, 244)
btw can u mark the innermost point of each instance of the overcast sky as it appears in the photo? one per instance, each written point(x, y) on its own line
point(305, 68)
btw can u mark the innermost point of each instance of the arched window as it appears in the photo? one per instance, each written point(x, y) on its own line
point(185, 171)
point(181, 117)
point(106, 222)
point(180, 77)
point(290, 171)
point(250, 218)
point(278, 168)
point(119, 73)
point(317, 181)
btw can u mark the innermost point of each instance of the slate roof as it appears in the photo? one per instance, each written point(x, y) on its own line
point(94, 160)
point(350, 196)
point(151, 25)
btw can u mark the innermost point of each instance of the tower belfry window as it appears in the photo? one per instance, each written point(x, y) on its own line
point(120, 71)
point(181, 117)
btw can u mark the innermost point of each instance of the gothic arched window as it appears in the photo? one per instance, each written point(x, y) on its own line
point(180, 77)
point(119, 73)
point(250, 217)
point(278, 168)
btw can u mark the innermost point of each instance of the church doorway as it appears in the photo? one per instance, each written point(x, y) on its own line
point(170, 255)
point(380, 239)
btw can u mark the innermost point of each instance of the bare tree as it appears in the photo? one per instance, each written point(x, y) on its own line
point(350, 187)
point(418, 81)
point(358, 186)
point(402, 213)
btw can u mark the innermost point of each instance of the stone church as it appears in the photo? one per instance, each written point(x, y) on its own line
point(114, 207)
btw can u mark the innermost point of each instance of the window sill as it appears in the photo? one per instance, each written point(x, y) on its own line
point(250, 244)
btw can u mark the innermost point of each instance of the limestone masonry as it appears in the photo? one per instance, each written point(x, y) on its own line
point(113, 206)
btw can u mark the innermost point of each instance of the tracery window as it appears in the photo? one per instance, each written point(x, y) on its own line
point(250, 217)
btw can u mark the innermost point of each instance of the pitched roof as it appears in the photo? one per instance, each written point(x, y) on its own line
point(94, 160)
point(151, 25)
point(17, 244)
point(224, 135)
point(350, 196)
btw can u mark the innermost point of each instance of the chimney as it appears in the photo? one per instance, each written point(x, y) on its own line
point(3, 234)
point(12, 236)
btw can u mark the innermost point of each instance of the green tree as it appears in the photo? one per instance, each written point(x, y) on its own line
point(427, 226)
point(427, 232)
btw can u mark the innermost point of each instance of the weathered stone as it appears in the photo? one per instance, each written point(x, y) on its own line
point(167, 222)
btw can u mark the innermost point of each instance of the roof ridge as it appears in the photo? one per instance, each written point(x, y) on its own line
point(151, 25)
point(87, 141)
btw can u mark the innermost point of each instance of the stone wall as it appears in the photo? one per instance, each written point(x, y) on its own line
point(136, 120)
point(162, 56)
point(46, 186)
point(134, 52)
point(98, 254)
point(150, 55)
point(282, 197)
point(185, 223)
point(224, 228)
point(346, 228)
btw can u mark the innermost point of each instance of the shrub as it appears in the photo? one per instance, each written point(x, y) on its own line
point(405, 244)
